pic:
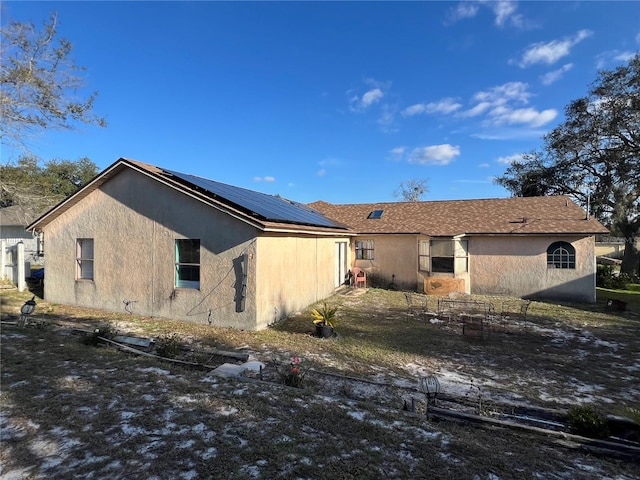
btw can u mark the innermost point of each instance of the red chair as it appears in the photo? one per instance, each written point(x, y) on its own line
point(359, 277)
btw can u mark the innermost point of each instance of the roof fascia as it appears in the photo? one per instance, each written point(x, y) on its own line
point(65, 204)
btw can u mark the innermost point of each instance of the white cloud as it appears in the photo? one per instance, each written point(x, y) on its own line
point(358, 104)
point(517, 157)
point(554, 76)
point(484, 165)
point(505, 12)
point(371, 97)
point(434, 155)
point(505, 133)
point(397, 153)
point(517, 91)
point(529, 116)
point(322, 172)
point(551, 52)
point(463, 10)
point(264, 179)
point(479, 109)
point(445, 105)
point(501, 105)
point(387, 119)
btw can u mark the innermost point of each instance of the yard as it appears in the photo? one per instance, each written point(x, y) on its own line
point(73, 410)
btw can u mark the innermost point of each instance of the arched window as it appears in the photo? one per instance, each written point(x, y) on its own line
point(561, 255)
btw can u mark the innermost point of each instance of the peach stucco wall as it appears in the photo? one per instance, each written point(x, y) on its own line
point(518, 266)
point(500, 265)
point(295, 271)
point(134, 222)
point(395, 258)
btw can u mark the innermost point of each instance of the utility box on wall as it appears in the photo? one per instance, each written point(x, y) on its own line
point(443, 285)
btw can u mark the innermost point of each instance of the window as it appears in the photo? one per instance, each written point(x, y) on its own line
point(188, 263)
point(561, 255)
point(376, 214)
point(84, 259)
point(462, 255)
point(423, 255)
point(449, 256)
point(364, 249)
point(442, 256)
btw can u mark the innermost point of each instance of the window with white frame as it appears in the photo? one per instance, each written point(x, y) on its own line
point(187, 263)
point(561, 255)
point(364, 249)
point(84, 259)
point(461, 252)
point(447, 256)
point(423, 255)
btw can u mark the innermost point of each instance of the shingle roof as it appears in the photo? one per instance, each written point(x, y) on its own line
point(517, 215)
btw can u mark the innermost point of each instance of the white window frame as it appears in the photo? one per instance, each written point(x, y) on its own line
point(424, 264)
point(561, 255)
point(459, 255)
point(187, 266)
point(84, 259)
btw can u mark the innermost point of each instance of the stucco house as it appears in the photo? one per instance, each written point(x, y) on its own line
point(161, 243)
point(536, 247)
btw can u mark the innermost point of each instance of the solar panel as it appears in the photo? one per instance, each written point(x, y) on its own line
point(270, 207)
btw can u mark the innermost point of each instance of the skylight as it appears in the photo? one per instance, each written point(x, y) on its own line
point(376, 214)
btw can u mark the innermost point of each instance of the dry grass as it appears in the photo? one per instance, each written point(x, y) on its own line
point(69, 410)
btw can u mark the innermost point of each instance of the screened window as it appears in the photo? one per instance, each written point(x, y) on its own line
point(561, 255)
point(84, 259)
point(364, 249)
point(188, 263)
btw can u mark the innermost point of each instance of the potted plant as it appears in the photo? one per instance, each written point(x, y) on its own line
point(324, 320)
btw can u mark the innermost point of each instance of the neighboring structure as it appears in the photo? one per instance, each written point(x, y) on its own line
point(161, 243)
point(535, 247)
point(13, 229)
point(19, 248)
point(609, 250)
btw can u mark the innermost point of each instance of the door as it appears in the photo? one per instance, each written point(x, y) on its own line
point(341, 263)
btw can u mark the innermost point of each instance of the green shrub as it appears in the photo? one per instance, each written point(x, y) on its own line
point(586, 421)
point(169, 346)
point(607, 276)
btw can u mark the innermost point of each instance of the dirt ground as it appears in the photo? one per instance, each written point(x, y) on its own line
point(72, 410)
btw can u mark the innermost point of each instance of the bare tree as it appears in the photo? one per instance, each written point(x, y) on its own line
point(411, 190)
point(39, 83)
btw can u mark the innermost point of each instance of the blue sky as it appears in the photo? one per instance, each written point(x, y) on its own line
point(334, 101)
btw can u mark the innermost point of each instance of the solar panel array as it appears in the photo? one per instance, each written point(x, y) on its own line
point(270, 207)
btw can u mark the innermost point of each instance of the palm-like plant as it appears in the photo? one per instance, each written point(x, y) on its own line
point(325, 315)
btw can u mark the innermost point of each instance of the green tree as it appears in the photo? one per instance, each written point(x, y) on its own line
point(39, 83)
point(36, 187)
point(594, 156)
point(411, 190)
